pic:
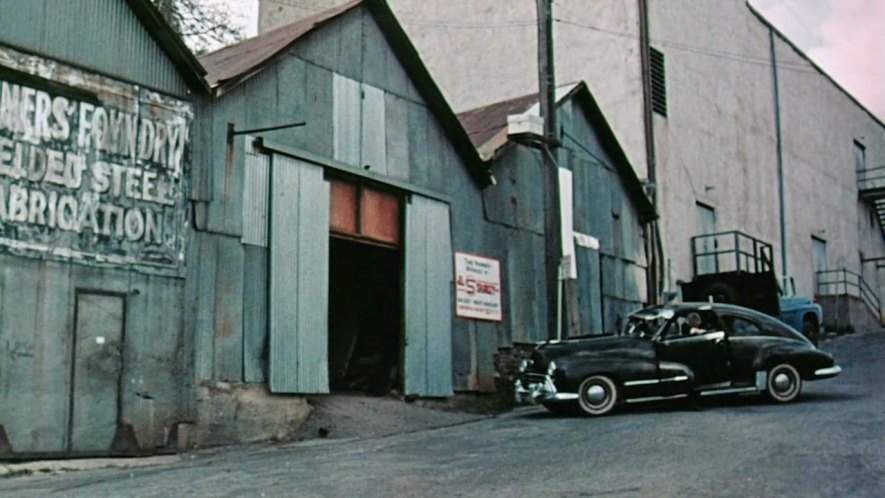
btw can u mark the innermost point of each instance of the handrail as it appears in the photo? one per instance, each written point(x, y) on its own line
point(846, 282)
point(749, 253)
point(871, 178)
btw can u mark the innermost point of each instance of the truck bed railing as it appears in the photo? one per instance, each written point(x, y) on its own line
point(730, 251)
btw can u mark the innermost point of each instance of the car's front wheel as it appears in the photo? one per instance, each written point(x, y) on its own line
point(597, 395)
point(784, 383)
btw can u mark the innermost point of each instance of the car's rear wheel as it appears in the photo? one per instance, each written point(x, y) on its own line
point(784, 383)
point(597, 395)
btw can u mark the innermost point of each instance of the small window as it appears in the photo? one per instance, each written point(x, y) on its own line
point(860, 156)
point(658, 82)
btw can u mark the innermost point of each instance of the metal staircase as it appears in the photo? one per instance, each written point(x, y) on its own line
point(848, 284)
point(871, 187)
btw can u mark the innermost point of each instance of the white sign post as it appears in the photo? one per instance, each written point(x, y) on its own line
point(477, 287)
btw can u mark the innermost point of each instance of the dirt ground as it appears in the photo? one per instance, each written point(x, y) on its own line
point(355, 416)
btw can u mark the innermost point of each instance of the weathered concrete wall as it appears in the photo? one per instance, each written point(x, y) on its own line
point(242, 413)
point(845, 312)
point(718, 143)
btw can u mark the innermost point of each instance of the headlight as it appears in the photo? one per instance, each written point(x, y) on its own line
point(551, 368)
point(524, 365)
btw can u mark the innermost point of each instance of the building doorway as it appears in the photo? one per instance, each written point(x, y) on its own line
point(365, 310)
point(365, 290)
point(96, 372)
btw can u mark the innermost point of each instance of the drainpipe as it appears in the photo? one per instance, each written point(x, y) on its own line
point(653, 244)
point(780, 161)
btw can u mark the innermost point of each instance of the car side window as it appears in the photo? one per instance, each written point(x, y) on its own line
point(741, 327)
point(692, 323)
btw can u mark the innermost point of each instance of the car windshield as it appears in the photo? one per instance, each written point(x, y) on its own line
point(642, 324)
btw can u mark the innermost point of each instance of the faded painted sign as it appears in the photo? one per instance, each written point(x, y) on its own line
point(90, 168)
point(477, 287)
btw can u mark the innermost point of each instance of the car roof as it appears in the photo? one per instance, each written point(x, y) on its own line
point(682, 308)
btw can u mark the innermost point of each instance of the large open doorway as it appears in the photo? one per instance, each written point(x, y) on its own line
point(365, 310)
point(365, 290)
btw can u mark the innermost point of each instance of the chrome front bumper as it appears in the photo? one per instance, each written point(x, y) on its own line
point(540, 389)
point(826, 373)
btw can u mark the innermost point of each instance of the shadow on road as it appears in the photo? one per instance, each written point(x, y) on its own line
point(710, 403)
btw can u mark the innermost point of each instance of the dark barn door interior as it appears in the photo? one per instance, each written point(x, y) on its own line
point(365, 290)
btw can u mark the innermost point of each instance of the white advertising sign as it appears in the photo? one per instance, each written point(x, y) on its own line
point(91, 169)
point(477, 287)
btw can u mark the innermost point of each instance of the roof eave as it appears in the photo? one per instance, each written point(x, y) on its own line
point(427, 87)
point(610, 142)
point(172, 45)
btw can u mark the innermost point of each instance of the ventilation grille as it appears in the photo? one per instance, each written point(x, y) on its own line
point(658, 83)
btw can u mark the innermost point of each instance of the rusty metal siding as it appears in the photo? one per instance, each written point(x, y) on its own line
point(428, 299)
point(299, 252)
point(255, 189)
point(103, 35)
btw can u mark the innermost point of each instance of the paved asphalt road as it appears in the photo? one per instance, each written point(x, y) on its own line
point(830, 443)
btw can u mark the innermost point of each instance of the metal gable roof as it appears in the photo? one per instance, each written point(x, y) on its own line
point(234, 64)
point(487, 127)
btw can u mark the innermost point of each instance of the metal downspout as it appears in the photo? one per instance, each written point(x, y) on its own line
point(653, 243)
point(780, 160)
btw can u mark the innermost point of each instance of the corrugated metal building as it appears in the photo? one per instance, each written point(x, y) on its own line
point(604, 214)
point(326, 249)
point(95, 147)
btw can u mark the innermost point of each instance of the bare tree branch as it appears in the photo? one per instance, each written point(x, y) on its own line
point(204, 26)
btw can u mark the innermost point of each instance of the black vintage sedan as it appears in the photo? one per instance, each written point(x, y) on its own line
point(673, 351)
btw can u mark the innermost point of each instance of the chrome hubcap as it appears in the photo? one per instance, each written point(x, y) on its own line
point(596, 394)
point(782, 382)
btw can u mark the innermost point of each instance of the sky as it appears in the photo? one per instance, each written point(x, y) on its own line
point(845, 38)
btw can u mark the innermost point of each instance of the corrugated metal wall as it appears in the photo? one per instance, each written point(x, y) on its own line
point(36, 331)
point(302, 87)
point(428, 299)
point(299, 280)
point(38, 297)
point(101, 34)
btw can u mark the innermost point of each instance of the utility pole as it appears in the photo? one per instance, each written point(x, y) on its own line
point(550, 173)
